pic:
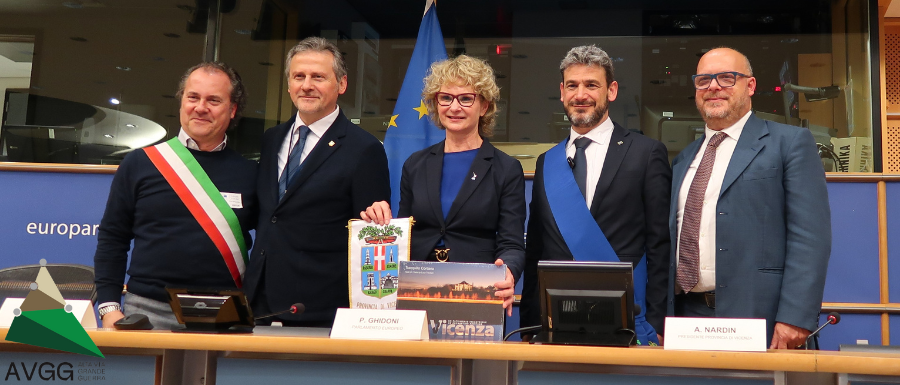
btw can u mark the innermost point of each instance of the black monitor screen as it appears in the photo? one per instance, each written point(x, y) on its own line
point(586, 297)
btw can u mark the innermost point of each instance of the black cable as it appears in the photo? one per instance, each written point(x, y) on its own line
point(522, 330)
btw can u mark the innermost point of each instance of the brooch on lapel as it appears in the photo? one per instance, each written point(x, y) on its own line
point(474, 176)
point(620, 142)
point(331, 144)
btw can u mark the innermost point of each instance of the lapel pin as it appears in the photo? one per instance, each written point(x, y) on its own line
point(620, 143)
point(474, 176)
point(331, 143)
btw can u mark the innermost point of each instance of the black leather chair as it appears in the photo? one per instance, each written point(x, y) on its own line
point(73, 281)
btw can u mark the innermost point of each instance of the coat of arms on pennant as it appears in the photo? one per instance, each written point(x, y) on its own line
point(374, 254)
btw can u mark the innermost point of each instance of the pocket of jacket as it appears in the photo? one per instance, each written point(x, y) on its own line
point(772, 270)
point(760, 174)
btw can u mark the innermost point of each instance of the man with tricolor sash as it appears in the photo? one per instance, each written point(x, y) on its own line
point(187, 204)
point(602, 194)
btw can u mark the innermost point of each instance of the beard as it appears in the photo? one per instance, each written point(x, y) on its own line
point(587, 119)
point(723, 111)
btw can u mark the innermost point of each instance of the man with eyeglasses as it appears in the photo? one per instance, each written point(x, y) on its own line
point(750, 222)
point(602, 194)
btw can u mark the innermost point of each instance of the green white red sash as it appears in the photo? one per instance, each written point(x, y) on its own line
point(205, 202)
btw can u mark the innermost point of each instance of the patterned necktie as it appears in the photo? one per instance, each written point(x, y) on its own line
point(688, 272)
point(293, 163)
point(580, 169)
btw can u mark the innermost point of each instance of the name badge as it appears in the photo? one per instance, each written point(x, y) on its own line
point(233, 199)
point(727, 334)
point(375, 324)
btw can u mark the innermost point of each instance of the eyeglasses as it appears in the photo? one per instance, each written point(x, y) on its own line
point(465, 100)
point(725, 79)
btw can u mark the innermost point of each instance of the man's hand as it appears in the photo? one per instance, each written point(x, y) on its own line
point(378, 212)
point(110, 318)
point(788, 336)
point(506, 289)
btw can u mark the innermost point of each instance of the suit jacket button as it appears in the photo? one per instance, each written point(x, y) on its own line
point(274, 219)
point(262, 253)
point(442, 231)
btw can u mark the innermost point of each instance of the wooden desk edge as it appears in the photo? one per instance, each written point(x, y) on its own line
point(790, 361)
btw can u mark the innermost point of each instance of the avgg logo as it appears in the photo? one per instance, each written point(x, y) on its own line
point(46, 371)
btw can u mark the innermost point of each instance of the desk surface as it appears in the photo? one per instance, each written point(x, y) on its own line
point(316, 342)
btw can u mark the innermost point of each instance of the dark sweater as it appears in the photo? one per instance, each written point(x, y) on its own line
point(170, 247)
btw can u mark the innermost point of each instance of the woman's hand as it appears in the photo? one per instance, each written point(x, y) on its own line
point(506, 289)
point(378, 212)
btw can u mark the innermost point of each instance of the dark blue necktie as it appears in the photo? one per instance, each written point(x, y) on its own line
point(293, 165)
point(580, 169)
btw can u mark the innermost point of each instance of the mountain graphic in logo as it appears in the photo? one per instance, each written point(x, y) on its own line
point(45, 320)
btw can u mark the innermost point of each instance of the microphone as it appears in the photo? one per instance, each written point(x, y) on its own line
point(297, 308)
point(571, 162)
point(833, 318)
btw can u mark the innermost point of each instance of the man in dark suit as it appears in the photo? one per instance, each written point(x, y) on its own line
point(624, 178)
point(316, 172)
point(761, 251)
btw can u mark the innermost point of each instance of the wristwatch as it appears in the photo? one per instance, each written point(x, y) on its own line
point(106, 309)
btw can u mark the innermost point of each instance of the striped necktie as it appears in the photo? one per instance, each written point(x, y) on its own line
point(688, 272)
point(293, 165)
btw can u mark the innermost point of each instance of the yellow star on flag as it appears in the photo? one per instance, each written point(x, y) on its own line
point(393, 122)
point(422, 109)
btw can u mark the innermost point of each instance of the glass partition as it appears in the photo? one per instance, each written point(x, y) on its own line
point(88, 81)
point(62, 64)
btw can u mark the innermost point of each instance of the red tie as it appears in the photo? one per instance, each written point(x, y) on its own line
point(688, 272)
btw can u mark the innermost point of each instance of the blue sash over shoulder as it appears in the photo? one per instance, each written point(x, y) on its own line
point(583, 236)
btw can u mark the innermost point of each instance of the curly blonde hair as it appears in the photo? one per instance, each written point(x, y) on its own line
point(463, 70)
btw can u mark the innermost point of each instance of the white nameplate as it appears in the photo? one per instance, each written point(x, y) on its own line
point(374, 324)
point(728, 334)
point(82, 309)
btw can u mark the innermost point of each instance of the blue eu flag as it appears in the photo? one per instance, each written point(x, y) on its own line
point(410, 128)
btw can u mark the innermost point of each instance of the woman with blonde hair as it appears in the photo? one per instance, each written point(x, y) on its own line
point(468, 197)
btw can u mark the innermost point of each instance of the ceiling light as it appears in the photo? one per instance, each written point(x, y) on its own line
point(114, 101)
point(123, 68)
point(129, 125)
point(107, 136)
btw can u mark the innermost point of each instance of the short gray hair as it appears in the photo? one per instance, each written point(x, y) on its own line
point(588, 55)
point(318, 44)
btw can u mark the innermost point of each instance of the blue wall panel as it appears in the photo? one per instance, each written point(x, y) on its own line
point(853, 268)
point(553, 378)
point(35, 203)
point(895, 330)
point(242, 372)
point(893, 231)
point(851, 328)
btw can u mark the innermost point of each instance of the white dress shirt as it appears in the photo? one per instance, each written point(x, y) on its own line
point(595, 153)
point(316, 131)
point(190, 143)
point(707, 280)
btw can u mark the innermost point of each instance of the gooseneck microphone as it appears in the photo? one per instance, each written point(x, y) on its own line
point(571, 162)
point(833, 318)
point(297, 308)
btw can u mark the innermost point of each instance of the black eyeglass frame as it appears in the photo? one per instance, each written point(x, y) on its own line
point(715, 77)
point(455, 97)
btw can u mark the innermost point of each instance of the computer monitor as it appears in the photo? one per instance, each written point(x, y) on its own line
point(586, 303)
point(211, 310)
